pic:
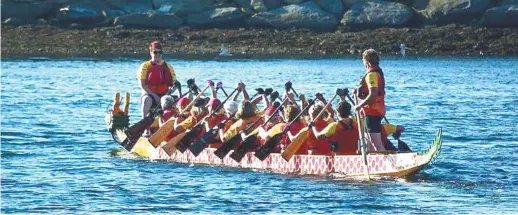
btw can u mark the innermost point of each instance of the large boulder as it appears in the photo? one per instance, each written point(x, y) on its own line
point(501, 16)
point(28, 10)
point(219, 17)
point(292, 1)
point(149, 20)
point(332, 6)
point(377, 14)
point(451, 11)
point(131, 6)
point(82, 12)
point(306, 15)
point(184, 7)
point(259, 5)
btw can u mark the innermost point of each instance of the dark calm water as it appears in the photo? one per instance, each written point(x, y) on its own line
point(56, 152)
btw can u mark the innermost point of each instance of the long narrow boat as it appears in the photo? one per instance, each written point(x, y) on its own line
point(392, 164)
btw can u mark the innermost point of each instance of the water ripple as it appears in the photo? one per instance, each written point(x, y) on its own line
point(58, 158)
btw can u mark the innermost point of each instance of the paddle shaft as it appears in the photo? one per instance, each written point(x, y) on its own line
point(184, 143)
point(294, 146)
point(164, 131)
point(266, 149)
point(363, 144)
point(224, 92)
point(225, 148)
point(135, 131)
point(238, 154)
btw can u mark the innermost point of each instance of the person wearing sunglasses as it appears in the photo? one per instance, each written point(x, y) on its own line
point(154, 77)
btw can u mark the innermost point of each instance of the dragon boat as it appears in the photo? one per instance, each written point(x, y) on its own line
point(392, 164)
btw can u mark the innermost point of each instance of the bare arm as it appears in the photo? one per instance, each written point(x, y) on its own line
point(316, 133)
point(222, 135)
point(290, 135)
point(370, 99)
point(245, 95)
point(237, 95)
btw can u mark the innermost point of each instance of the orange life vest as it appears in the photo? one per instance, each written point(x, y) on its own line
point(159, 78)
point(378, 107)
point(294, 129)
point(319, 147)
point(346, 137)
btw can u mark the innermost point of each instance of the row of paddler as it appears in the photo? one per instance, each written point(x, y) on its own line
point(281, 126)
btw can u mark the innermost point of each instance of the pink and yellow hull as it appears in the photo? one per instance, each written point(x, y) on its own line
point(394, 164)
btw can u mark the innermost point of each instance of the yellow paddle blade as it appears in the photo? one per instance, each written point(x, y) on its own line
point(162, 133)
point(143, 148)
point(170, 146)
point(276, 129)
point(295, 144)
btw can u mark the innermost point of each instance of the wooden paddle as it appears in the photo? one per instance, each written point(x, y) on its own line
point(363, 142)
point(225, 148)
point(249, 141)
point(288, 87)
point(219, 85)
point(198, 146)
point(303, 134)
point(164, 131)
point(135, 131)
point(197, 129)
point(270, 144)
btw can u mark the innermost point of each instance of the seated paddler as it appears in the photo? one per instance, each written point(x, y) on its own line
point(341, 135)
point(246, 115)
point(197, 113)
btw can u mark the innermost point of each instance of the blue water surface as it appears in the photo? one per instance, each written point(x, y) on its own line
point(56, 154)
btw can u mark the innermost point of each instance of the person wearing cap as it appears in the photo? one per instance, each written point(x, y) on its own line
point(182, 105)
point(167, 104)
point(371, 98)
point(219, 115)
point(342, 135)
point(155, 77)
point(170, 113)
point(230, 110)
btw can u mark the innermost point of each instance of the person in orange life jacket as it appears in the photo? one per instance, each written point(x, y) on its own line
point(170, 113)
point(371, 98)
point(316, 146)
point(212, 104)
point(155, 76)
point(291, 111)
point(342, 134)
point(198, 111)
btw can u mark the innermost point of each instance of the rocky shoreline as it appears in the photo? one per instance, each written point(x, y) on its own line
point(116, 42)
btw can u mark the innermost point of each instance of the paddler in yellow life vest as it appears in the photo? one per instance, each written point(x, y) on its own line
point(246, 115)
point(155, 76)
point(371, 98)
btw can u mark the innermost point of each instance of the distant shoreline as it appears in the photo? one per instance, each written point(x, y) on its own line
point(30, 41)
